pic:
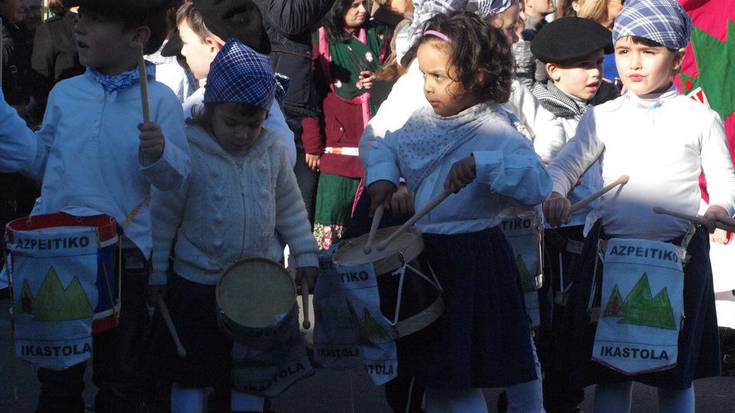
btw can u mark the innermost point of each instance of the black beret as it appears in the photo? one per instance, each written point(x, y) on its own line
point(122, 8)
point(568, 39)
point(240, 19)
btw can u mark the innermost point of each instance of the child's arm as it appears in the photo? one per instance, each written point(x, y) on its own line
point(382, 173)
point(718, 169)
point(165, 161)
point(550, 135)
point(167, 213)
point(18, 144)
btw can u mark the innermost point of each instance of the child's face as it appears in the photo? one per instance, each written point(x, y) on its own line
point(581, 80)
point(355, 15)
point(645, 69)
point(236, 132)
point(507, 22)
point(105, 44)
point(446, 96)
point(539, 8)
point(199, 53)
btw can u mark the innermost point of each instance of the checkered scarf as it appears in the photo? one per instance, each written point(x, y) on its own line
point(662, 21)
point(240, 74)
point(423, 10)
point(557, 102)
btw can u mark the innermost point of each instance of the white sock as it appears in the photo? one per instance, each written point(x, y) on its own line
point(188, 399)
point(613, 398)
point(244, 402)
point(468, 400)
point(527, 397)
point(676, 400)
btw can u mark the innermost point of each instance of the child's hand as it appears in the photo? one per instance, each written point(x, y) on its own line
point(380, 193)
point(719, 236)
point(717, 213)
point(556, 209)
point(312, 161)
point(366, 80)
point(151, 143)
point(402, 202)
point(306, 277)
point(462, 173)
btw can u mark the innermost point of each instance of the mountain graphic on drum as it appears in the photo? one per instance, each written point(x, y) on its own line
point(53, 302)
point(640, 307)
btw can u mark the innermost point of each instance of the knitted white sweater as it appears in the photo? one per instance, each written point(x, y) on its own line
point(228, 210)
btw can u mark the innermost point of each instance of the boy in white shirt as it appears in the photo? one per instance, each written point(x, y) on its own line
point(662, 140)
point(94, 156)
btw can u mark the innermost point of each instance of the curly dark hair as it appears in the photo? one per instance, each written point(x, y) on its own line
point(479, 53)
point(334, 20)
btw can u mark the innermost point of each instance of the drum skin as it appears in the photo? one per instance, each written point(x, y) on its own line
point(405, 248)
point(256, 298)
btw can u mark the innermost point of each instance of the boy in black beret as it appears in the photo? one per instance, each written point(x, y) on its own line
point(95, 154)
point(572, 50)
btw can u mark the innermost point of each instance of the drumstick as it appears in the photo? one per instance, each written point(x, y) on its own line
point(425, 210)
point(306, 324)
point(697, 219)
point(583, 203)
point(373, 228)
point(143, 86)
point(180, 350)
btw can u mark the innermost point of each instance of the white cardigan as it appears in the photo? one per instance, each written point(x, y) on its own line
point(228, 210)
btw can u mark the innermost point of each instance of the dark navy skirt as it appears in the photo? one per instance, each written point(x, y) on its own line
point(699, 346)
point(483, 339)
point(193, 309)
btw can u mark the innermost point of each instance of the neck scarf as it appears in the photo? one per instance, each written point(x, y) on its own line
point(557, 102)
point(124, 80)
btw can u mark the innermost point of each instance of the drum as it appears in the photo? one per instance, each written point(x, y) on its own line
point(65, 275)
point(107, 310)
point(410, 296)
point(256, 302)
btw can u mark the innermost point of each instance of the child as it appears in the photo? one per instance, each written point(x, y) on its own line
point(572, 50)
point(482, 339)
point(91, 163)
point(643, 134)
point(241, 178)
point(203, 28)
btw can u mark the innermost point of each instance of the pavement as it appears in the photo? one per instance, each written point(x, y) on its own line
point(330, 391)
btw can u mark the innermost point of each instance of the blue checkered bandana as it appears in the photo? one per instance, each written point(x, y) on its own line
point(662, 21)
point(240, 74)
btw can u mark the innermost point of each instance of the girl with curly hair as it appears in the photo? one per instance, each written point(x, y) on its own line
point(465, 143)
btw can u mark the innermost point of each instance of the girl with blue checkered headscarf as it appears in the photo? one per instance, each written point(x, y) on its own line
point(241, 192)
point(663, 141)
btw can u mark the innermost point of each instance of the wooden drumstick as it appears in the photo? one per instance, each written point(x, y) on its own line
point(306, 324)
point(143, 86)
point(180, 350)
point(697, 219)
point(425, 210)
point(583, 203)
point(374, 228)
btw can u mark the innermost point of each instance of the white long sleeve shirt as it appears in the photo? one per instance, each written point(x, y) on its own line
point(509, 173)
point(17, 142)
point(87, 153)
point(662, 144)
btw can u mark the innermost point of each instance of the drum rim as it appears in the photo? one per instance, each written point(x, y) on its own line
point(393, 259)
point(106, 225)
point(218, 289)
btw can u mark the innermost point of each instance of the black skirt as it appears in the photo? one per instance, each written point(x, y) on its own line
point(699, 348)
point(193, 311)
point(483, 339)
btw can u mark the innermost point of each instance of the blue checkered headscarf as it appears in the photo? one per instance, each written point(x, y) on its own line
point(662, 21)
point(240, 74)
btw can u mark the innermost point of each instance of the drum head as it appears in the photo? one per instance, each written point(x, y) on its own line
point(409, 244)
point(256, 293)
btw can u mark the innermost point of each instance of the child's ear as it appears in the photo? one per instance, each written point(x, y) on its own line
point(214, 42)
point(551, 70)
point(678, 60)
point(140, 37)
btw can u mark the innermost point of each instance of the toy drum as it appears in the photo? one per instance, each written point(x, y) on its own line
point(256, 301)
point(409, 298)
point(20, 233)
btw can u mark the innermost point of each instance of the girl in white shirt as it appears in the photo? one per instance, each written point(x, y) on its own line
point(483, 338)
point(242, 191)
point(662, 140)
